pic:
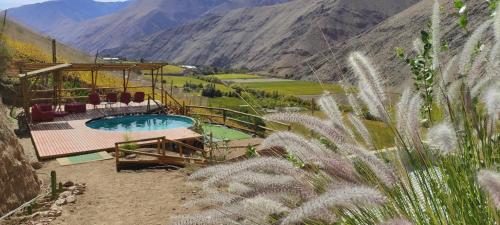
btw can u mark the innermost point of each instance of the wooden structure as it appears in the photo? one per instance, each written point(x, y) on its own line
point(157, 153)
point(32, 73)
point(254, 124)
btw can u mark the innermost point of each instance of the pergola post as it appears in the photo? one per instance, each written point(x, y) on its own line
point(26, 98)
point(162, 88)
point(124, 83)
point(153, 83)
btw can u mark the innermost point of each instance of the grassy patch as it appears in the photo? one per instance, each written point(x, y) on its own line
point(294, 87)
point(231, 76)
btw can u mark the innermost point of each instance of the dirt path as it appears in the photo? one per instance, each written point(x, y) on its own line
point(128, 197)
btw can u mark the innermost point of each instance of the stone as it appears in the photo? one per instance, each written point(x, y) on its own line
point(77, 192)
point(72, 188)
point(65, 194)
point(131, 156)
point(71, 199)
point(60, 201)
point(36, 165)
point(68, 184)
point(43, 213)
point(55, 213)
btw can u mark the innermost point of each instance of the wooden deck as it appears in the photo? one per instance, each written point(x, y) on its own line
point(70, 136)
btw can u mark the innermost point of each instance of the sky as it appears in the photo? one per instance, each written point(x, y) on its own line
point(5, 4)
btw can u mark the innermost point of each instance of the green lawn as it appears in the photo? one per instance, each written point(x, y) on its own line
point(231, 76)
point(224, 133)
point(294, 87)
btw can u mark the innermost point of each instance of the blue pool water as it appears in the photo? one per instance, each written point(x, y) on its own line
point(140, 123)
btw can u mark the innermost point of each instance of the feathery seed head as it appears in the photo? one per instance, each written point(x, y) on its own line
point(443, 138)
point(469, 46)
point(350, 197)
point(490, 181)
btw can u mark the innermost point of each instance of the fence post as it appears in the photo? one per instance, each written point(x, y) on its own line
point(255, 125)
point(184, 108)
point(211, 146)
point(117, 157)
point(224, 116)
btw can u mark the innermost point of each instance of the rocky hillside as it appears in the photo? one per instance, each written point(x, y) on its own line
point(141, 18)
point(18, 181)
point(273, 39)
point(380, 43)
point(49, 17)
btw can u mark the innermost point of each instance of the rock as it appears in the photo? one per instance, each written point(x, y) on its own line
point(55, 213)
point(43, 213)
point(131, 156)
point(72, 188)
point(183, 198)
point(65, 194)
point(71, 199)
point(68, 184)
point(77, 192)
point(55, 207)
point(36, 165)
point(60, 201)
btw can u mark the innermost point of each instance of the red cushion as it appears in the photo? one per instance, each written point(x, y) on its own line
point(94, 99)
point(139, 97)
point(125, 98)
point(112, 97)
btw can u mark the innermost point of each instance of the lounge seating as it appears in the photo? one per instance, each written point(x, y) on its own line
point(111, 99)
point(138, 97)
point(42, 113)
point(75, 107)
point(125, 98)
point(94, 99)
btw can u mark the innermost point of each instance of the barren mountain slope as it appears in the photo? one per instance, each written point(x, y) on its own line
point(380, 43)
point(270, 38)
point(48, 17)
point(142, 18)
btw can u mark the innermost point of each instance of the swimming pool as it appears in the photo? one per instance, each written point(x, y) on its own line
point(140, 123)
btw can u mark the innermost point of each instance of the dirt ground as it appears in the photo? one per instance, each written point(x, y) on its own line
point(127, 198)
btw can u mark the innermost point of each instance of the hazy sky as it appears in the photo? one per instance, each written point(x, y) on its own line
point(5, 4)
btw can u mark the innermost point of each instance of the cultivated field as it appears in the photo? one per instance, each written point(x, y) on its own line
point(294, 87)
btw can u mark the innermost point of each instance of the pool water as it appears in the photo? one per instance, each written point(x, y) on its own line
point(140, 123)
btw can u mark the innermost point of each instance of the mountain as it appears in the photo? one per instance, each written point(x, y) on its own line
point(22, 34)
point(380, 43)
point(48, 17)
point(142, 18)
point(272, 39)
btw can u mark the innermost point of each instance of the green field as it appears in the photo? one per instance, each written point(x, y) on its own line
point(294, 87)
point(172, 69)
point(231, 76)
point(179, 81)
point(227, 102)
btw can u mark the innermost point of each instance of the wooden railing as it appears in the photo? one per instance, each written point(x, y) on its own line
point(223, 116)
point(162, 158)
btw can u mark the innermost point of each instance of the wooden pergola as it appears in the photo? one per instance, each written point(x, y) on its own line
point(30, 73)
